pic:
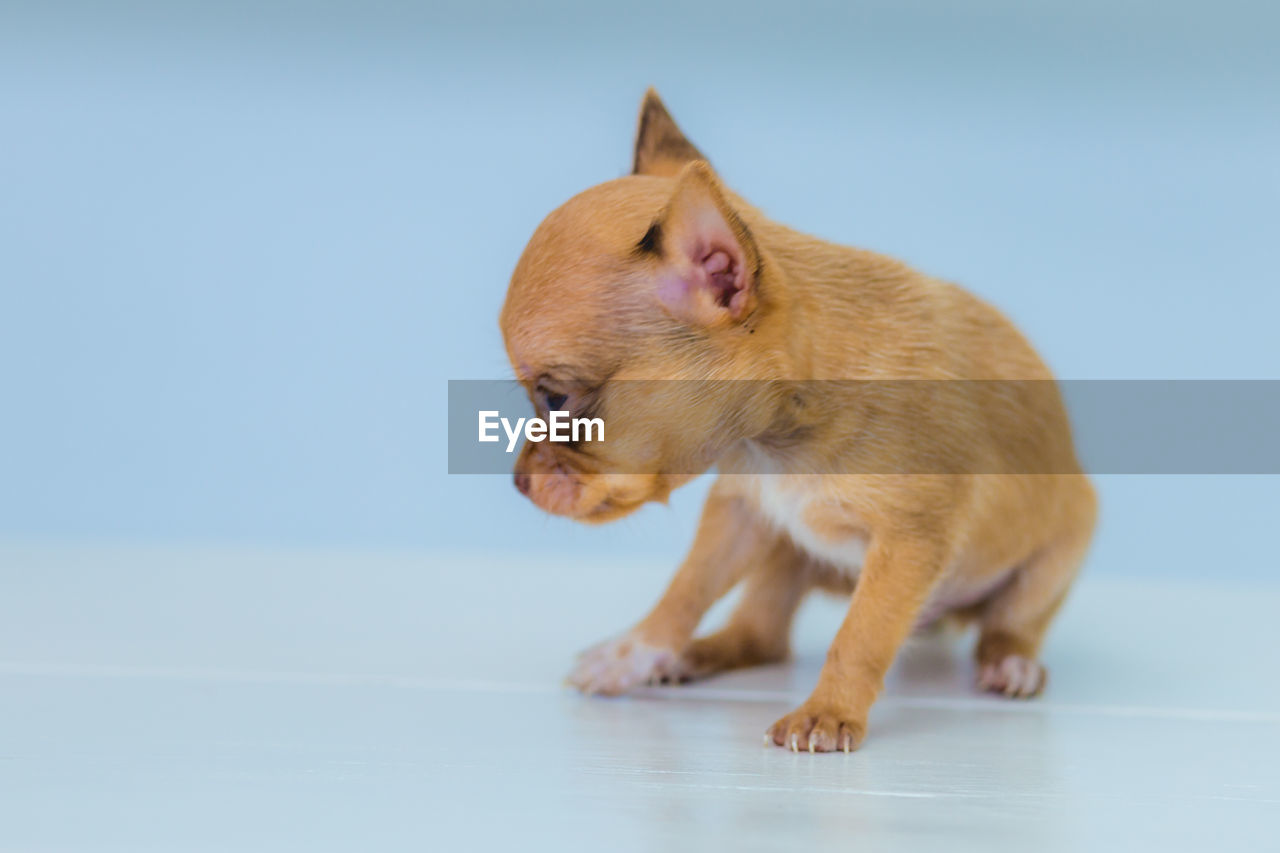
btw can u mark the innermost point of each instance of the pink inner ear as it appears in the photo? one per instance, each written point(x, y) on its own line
point(723, 276)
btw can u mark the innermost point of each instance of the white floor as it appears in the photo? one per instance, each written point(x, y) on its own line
point(221, 700)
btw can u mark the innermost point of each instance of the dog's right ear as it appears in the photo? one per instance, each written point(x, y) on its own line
point(661, 149)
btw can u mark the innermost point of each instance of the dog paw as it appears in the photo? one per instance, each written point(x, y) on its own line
point(1013, 676)
point(812, 730)
point(616, 666)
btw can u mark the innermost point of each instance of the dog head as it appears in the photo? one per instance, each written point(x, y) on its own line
point(653, 277)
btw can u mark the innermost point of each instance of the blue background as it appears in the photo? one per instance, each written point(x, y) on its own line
point(244, 245)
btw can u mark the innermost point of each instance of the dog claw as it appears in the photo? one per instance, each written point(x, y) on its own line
point(802, 731)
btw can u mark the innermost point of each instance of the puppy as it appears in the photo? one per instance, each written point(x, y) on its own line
point(876, 432)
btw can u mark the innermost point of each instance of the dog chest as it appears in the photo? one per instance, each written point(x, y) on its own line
point(790, 506)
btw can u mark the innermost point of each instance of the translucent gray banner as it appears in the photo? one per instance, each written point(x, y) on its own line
point(1119, 426)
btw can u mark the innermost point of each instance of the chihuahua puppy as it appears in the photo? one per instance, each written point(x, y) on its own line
point(666, 274)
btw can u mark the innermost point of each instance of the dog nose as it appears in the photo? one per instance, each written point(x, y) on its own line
point(522, 483)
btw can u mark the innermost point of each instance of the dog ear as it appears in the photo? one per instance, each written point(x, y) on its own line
point(661, 149)
point(710, 263)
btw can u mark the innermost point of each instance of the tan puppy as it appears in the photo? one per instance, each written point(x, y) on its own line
point(920, 497)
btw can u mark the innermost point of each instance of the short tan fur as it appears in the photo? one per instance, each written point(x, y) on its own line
point(667, 274)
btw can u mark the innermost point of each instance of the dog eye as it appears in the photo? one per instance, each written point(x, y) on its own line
point(550, 399)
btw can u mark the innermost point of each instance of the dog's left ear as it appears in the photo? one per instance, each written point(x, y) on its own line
point(709, 260)
point(661, 149)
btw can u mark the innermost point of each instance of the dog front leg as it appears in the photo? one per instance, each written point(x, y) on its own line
point(730, 538)
point(894, 584)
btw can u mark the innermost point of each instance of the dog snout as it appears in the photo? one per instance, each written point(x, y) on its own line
point(522, 481)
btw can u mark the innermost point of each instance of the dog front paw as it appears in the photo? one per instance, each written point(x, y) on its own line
point(616, 666)
point(813, 729)
point(1013, 675)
